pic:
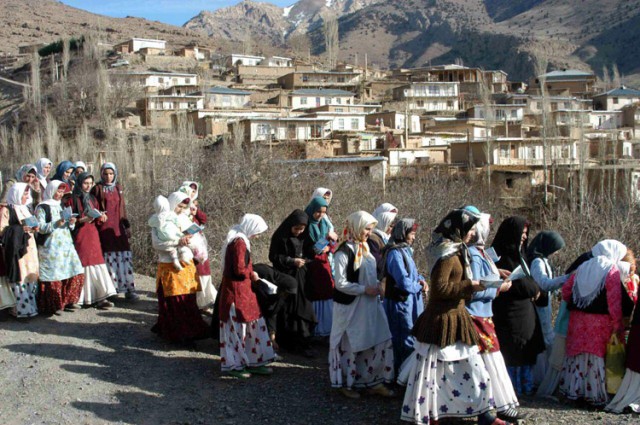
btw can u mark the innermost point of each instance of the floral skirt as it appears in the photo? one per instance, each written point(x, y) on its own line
point(98, 285)
point(120, 265)
point(56, 295)
point(628, 394)
point(7, 299)
point(583, 377)
point(25, 294)
point(207, 295)
point(324, 315)
point(487, 333)
point(362, 369)
point(438, 388)
point(504, 395)
point(244, 344)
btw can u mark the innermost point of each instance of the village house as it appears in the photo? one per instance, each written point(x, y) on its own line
point(605, 120)
point(340, 121)
point(215, 122)
point(134, 45)
point(393, 119)
point(565, 82)
point(277, 62)
point(477, 129)
point(615, 99)
point(431, 96)
point(166, 83)
point(311, 98)
point(631, 118)
point(157, 110)
point(320, 79)
point(235, 59)
point(194, 52)
point(264, 129)
point(366, 108)
point(225, 97)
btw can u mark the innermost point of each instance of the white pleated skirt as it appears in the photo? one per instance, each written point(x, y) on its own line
point(98, 285)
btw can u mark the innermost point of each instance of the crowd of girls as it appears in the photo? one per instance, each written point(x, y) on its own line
point(466, 339)
point(64, 240)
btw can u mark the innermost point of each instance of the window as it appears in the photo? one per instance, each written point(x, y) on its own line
point(303, 100)
point(161, 80)
point(567, 105)
point(305, 78)
point(174, 81)
point(339, 109)
point(420, 103)
point(340, 123)
point(327, 101)
point(504, 151)
point(449, 104)
point(339, 100)
point(263, 129)
point(509, 183)
point(433, 90)
point(341, 79)
point(514, 114)
point(500, 115)
point(355, 123)
point(187, 80)
point(226, 100)
point(615, 100)
point(532, 152)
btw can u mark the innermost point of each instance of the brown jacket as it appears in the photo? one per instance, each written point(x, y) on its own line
point(445, 319)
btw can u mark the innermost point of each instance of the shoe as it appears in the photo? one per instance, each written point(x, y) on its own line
point(511, 418)
point(71, 307)
point(104, 305)
point(260, 370)
point(350, 393)
point(131, 296)
point(277, 357)
point(241, 374)
point(58, 312)
point(381, 390)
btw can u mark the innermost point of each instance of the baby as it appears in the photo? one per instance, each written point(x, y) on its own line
point(165, 222)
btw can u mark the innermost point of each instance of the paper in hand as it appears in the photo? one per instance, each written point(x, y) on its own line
point(30, 222)
point(67, 214)
point(319, 246)
point(93, 213)
point(491, 281)
point(518, 273)
point(193, 229)
point(270, 288)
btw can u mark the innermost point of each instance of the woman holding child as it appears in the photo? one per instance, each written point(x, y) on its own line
point(179, 319)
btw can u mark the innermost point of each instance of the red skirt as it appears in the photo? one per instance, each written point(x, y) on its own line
point(179, 318)
point(54, 296)
point(319, 279)
point(487, 333)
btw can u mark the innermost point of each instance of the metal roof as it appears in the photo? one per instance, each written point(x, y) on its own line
point(321, 92)
point(621, 92)
point(566, 73)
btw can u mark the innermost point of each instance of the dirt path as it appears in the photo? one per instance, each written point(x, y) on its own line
point(106, 367)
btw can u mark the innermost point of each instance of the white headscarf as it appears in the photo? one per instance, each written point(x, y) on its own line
point(79, 164)
point(40, 164)
point(52, 188)
point(385, 214)
point(162, 210)
point(356, 223)
point(187, 184)
point(175, 199)
point(483, 228)
point(321, 191)
point(591, 275)
point(14, 199)
point(250, 225)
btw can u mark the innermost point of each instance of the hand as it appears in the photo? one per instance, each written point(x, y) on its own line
point(72, 221)
point(477, 286)
point(60, 222)
point(504, 273)
point(254, 277)
point(103, 218)
point(36, 229)
point(326, 249)
point(184, 241)
point(505, 286)
point(299, 262)
point(425, 286)
point(26, 229)
point(381, 289)
point(373, 291)
point(127, 233)
point(332, 236)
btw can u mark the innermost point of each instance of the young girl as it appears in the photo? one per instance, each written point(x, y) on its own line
point(20, 252)
point(167, 229)
point(61, 272)
point(245, 346)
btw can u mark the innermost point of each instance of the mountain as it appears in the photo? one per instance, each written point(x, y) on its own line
point(46, 21)
point(506, 34)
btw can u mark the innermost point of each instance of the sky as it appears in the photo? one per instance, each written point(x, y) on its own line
point(175, 12)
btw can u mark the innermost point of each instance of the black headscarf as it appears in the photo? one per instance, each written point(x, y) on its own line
point(544, 244)
point(297, 217)
point(84, 197)
point(284, 245)
point(448, 236)
point(507, 240)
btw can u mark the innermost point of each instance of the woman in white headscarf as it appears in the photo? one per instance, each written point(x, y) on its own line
point(385, 214)
point(594, 298)
point(245, 346)
point(360, 350)
point(61, 272)
point(179, 319)
point(20, 251)
point(43, 167)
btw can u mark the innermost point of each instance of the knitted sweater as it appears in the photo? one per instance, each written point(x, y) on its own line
point(445, 319)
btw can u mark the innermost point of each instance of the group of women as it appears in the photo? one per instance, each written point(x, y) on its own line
point(64, 240)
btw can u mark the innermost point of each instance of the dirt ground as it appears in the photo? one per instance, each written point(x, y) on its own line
point(107, 367)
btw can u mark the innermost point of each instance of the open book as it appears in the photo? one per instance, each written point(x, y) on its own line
point(519, 273)
point(67, 214)
point(492, 281)
point(270, 288)
point(30, 222)
point(319, 246)
point(193, 229)
point(94, 213)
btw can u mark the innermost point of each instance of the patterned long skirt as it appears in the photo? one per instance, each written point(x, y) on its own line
point(26, 305)
point(583, 377)
point(120, 265)
point(362, 369)
point(244, 344)
point(56, 295)
point(7, 299)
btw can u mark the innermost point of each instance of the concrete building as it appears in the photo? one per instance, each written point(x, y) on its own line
point(320, 79)
point(429, 96)
point(134, 45)
point(168, 83)
point(615, 99)
point(565, 82)
point(235, 59)
point(393, 119)
point(225, 97)
point(312, 98)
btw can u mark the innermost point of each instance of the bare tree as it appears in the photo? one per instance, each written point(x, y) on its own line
point(489, 112)
point(36, 94)
point(299, 44)
point(331, 39)
point(616, 79)
point(66, 57)
point(540, 65)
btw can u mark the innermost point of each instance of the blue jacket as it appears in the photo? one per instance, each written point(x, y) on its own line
point(480, 305)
